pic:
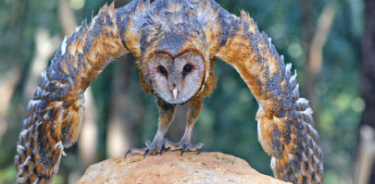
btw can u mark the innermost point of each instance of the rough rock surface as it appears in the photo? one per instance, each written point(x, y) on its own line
point(172, 168)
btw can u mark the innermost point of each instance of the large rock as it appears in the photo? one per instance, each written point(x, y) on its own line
point(173, 168)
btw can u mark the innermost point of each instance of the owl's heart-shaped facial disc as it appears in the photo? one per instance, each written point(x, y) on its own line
point(176, 80)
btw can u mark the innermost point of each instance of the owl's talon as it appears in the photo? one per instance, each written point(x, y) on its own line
point(184, 146)
point(128, 152)
point(147, 150)
point(162, 146)
point(152, 148)
point(200, 150)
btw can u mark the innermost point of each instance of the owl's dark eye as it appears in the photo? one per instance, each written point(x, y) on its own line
point(187, 68)
point(163, 71)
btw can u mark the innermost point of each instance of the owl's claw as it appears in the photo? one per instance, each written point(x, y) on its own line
point(200, 150)
point(152, 148)
point(162, 146)
point(184, 146)
point(130, 150)
point(147, 150)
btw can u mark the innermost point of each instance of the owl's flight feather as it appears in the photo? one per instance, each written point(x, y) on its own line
point(285, 125)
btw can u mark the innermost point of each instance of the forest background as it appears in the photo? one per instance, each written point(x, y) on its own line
point(329, 42)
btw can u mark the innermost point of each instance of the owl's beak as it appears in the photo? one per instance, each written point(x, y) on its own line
point(175, 93)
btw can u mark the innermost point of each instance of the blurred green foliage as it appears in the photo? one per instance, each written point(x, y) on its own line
point(227, 123)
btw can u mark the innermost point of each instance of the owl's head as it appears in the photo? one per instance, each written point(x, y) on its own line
point(178, 79)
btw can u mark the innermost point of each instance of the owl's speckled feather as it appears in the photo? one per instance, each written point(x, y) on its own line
point(285, 125)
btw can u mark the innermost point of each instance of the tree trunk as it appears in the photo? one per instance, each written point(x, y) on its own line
point(368, 70)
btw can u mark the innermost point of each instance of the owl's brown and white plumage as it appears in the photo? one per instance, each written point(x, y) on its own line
point(177, 43)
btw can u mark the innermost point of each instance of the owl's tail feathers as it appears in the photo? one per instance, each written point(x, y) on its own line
point(293, 143)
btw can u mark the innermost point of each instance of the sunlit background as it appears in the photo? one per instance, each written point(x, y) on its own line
point(321, 38)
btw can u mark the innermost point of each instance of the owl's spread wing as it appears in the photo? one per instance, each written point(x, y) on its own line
point(285, 125)
point(54, 114)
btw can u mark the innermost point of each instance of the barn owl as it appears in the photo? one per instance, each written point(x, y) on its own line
point(177, 43)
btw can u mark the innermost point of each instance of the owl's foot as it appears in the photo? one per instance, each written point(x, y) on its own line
point(152, 148)
point(183, 146)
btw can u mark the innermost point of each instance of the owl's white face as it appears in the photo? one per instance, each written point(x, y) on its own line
point(176, 80)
